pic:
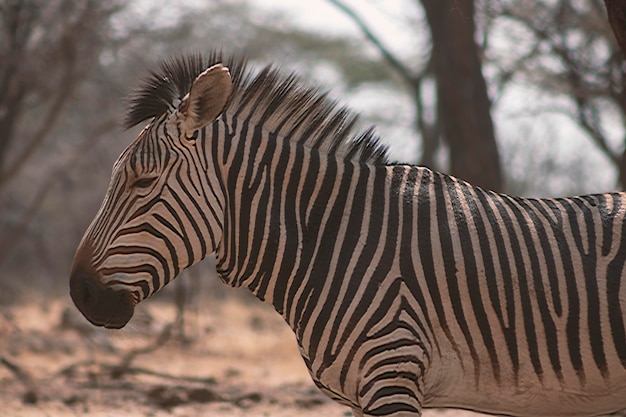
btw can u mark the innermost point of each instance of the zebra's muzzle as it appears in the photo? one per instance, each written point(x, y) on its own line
point(101, 305)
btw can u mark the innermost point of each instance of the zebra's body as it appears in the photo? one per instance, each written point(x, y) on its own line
point(405, 288)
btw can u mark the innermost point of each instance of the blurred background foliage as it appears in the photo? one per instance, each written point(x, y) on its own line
point(522, 97)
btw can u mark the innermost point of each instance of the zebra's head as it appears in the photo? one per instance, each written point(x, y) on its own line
point(144, 233)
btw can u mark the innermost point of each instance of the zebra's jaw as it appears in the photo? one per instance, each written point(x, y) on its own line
point(100, 304)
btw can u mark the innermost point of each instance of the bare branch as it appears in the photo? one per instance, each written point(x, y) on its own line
point(48, 123)
point(576, 87)
point(10, 242)
point(429, 131)
point(43, 69)
point(31, 396)
point(124, 365)
point(402, 69)
point(587, 117)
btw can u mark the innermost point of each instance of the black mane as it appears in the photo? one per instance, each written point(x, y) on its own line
point(267, 96)
point(162, 89)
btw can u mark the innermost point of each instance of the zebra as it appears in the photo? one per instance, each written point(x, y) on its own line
point(405, 288)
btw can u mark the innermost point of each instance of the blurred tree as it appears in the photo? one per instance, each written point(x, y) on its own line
point(616, 10)
point(72, 63)
point(68, 66)
point(563, 49)
point(462, 116)
point(47, 47)
point(462, 100)
point(567, 51)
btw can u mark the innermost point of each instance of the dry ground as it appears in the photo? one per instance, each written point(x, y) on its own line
point(231, 358)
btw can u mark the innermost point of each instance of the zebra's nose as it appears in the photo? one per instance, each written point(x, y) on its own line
point(83, 291)
point(101, 305)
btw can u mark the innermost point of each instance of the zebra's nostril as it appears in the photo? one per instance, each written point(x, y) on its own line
point(87, 293)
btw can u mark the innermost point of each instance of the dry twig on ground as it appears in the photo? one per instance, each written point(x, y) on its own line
point(31, 395)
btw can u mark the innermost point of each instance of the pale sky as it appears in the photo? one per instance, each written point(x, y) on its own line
point(391, 20)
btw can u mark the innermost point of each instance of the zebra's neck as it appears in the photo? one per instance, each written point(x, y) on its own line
point(280, 230)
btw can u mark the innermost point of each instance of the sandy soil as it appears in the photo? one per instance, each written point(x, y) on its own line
point(230, 358)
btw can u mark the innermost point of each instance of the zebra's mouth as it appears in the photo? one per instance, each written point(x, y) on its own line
point(101, 305)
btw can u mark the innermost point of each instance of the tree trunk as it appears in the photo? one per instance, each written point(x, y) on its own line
point(616, 11)
point(463, 102)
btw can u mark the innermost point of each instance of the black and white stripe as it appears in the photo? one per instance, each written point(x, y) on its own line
point(406, 288)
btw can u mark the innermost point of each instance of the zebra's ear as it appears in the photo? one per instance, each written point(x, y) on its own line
point(206, 99)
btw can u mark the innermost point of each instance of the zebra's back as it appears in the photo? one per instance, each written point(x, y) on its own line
point(525, 296)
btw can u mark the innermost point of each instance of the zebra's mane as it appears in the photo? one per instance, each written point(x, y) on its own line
point(277, 101)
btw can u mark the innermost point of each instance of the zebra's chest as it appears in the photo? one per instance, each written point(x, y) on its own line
point(329, 380)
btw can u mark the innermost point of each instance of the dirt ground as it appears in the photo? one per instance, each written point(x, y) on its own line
point(230, 358)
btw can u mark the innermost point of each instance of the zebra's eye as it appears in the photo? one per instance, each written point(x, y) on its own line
point(144, 182)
